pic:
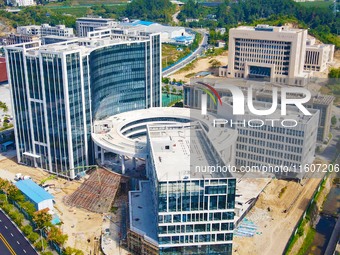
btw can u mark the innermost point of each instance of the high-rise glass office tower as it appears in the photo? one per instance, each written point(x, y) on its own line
point(58, 89)
point(184, 208)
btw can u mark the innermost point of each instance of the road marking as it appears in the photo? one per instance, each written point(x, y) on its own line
point(24, 251)
point(6, 227)
point(18, 242)
point(2, 238)
point(11, 234)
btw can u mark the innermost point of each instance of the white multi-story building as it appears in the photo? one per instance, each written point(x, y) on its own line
point(181, 210)
point(264, 93)
point(279, 54)
point(168, 34)
point(276, 53)
point(264, 141)
point(46, 30)
point(21, 2)
point(89, 24)
point(318, 55)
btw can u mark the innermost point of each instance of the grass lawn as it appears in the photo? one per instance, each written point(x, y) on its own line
point(86, 2)
point(318, 4)
point(332, 89)
point(307, 242)
point(170, 54)
point(78, 11)
point(79, 8)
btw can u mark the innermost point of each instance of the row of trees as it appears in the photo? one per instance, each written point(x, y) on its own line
point(323, 23)
point(42, 219)
point(157, 10)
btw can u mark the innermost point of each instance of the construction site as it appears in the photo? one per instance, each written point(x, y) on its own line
point(96, 203)
point(268, 226)
point(81, 204)
point(98, 192)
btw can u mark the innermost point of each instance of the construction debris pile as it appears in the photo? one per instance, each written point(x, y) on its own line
point(97, 193)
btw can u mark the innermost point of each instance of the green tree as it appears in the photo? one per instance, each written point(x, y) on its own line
point(334, 73)
point(165, 80)
point(157, 10)
point(72, 251)
point(28, 207)
point(56, 235)
point(167, 89)
point(27, 230)
point(17, 217)
point(33, 237)
point(47, 253)
point(8, 208)
point(334, 120)
point(4, 106)
point(42, 218)
point(41, 244)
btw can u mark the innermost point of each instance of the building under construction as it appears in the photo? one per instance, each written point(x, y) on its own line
point(98, 192)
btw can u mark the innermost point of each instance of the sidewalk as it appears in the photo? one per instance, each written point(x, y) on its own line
point(7, 154)
point(110, 236)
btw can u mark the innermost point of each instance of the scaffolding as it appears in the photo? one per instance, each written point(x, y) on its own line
point(97, 193)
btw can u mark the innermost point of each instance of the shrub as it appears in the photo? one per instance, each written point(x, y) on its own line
point(40, 243)
point(300, 231)
point(33, 237)
point(7, 208)
point(27, 230)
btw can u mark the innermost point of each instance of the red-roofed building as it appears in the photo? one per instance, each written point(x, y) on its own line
point(3, 71)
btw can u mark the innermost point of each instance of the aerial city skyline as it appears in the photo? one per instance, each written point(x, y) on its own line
point(148, 138)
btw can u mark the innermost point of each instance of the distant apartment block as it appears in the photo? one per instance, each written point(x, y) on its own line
point(33, 33)
point(180, 210)
point(21, 2)
point(277, 54)
point(45, 30)
point(323, 103)
point(168, 33)
point(89, 24)
point(11, 39)
point(59, 89)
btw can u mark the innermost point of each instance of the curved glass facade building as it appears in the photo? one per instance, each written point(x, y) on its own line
point(125, 77)
point(59, 89)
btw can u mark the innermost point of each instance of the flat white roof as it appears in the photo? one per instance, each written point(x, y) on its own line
point(182, 151)
point(110, 133)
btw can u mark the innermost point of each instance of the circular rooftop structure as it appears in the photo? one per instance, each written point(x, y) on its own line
point(125, 133)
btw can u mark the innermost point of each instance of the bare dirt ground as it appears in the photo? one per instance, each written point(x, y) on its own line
point(5, 27)
point(274, 225)
point(82, 227)
point(337, 59)
point(201, 64)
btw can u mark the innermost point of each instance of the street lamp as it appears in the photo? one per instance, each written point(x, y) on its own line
point(41, 237)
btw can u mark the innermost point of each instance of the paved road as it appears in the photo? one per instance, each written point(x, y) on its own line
point(174, 17)
point(12, 242)
point(329, 153)
point(194, 55)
